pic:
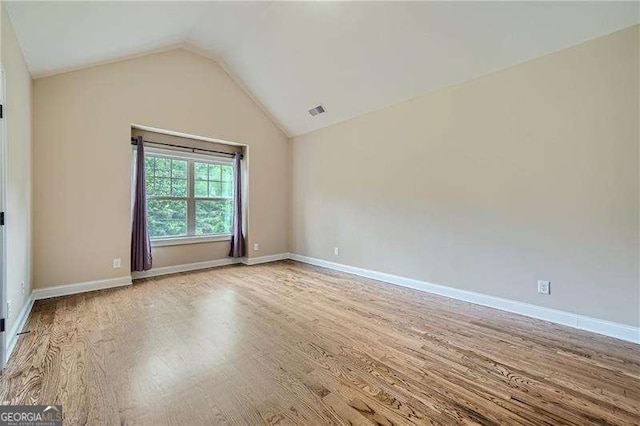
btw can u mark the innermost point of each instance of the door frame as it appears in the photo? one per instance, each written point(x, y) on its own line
point(3, 229)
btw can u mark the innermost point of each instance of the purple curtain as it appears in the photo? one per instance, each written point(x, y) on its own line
point(238, 248)
point(140, 244)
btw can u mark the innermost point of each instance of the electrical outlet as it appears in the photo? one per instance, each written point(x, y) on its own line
point(256, 247)
point(8, 309)
point(336, 251)
point(23, 288)
point(544, 287)
point(117, 263)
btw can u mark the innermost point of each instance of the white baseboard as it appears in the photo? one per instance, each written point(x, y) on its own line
point(67, 289)
point(167, 270)
point(265, 259)
point(620, 331)
point(21, 320)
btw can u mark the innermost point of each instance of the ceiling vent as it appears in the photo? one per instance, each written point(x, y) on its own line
point(316, 111)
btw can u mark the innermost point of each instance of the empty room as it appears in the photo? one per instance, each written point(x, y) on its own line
point(319, 212)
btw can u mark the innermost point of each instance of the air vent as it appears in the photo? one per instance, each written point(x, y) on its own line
point(317, 110)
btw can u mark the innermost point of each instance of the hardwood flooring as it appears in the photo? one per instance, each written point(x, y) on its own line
point(289, 343)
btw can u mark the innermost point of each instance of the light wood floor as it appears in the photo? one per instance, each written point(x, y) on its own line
point(290, 343)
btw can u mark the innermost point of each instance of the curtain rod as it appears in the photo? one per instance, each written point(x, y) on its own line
point(134, 141)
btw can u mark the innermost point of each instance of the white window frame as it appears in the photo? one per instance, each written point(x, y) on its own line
point(191, 238)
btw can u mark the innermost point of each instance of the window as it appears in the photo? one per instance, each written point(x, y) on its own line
point(188, 196)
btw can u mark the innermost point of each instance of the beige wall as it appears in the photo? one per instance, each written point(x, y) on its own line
point(18, 174)
point(525, 174)
point(82, 160)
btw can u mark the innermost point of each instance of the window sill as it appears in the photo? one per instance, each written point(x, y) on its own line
point(178, 241)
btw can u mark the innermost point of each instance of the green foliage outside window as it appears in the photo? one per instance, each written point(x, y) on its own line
point(166, 218)
point(213, 217)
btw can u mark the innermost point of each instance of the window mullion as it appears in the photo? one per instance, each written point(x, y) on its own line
point(191, 203)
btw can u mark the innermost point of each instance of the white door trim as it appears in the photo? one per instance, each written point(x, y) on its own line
point(3, 229)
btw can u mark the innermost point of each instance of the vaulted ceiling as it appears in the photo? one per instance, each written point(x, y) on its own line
point(351, 57)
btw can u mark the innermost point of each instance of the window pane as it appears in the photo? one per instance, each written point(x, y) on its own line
point(213, 217)
point(163, 167)
point(179, 187)
point(149, 185)
point(227, 173)
point(201, 171)
point(227, 189)
point(214, 172)
point(215, 189)
point(201, 190)
point(179, 168)
point(162, 187)
point(148, 165)
point(167, 218)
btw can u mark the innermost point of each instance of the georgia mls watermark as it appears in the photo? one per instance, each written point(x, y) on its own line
point(30, 415)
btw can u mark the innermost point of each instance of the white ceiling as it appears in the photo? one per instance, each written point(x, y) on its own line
point(352, 57)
